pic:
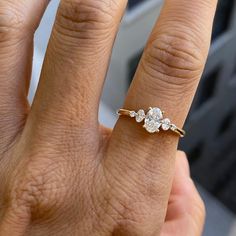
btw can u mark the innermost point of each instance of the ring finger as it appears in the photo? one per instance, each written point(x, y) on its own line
point(167, 77)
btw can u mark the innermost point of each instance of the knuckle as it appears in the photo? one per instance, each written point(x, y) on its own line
point(39, 187)
point(11, 21)
point(85, 19)
point(197, 205)
point(173, 59)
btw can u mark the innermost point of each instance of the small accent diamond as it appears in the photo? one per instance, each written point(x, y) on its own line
point(140, 116)
point(165, 124)
point(173, 127)
point(132, 114)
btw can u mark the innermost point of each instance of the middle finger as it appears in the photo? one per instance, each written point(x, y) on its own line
point(76, 63)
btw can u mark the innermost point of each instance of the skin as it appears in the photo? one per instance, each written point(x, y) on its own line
point(61, 172)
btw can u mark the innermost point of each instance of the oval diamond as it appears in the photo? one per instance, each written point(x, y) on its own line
point(152, 121)
point(140, 116)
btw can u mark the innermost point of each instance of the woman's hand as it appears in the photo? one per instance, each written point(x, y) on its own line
point(61, 173)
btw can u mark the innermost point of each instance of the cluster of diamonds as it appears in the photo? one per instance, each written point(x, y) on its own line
point(153, 120)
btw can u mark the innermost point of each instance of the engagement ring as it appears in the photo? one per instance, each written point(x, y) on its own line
point(154, 120)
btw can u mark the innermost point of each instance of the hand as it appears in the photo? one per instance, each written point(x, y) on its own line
point(61, 173)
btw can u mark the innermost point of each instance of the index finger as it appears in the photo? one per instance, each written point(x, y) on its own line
point(167, 77)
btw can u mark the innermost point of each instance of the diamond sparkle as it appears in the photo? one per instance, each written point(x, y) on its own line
point(152, 122)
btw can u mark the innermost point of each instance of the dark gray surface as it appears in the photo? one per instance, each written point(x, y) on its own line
point(219, 220)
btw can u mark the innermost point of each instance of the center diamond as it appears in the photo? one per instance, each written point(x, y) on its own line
point(153, 119)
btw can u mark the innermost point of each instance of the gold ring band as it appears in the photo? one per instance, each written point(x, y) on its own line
point(153, 120)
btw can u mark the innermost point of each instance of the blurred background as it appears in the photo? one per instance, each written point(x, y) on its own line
point(211, 124)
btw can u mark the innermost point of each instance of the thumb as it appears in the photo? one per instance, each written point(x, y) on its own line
point(186, 211)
